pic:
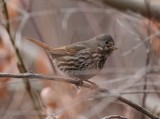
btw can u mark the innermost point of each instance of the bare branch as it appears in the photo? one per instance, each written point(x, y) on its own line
point(20, 63)
point(41, 76)
point(114, 117)
point(136, 5)
point(138, 92)
point(86, 85)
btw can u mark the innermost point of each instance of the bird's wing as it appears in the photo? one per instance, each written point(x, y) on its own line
point(66, 50)
point(61, 51)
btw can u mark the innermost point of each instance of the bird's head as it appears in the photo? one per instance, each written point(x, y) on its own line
point(106, 43)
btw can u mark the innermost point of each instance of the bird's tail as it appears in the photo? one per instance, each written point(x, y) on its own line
point(42, 45)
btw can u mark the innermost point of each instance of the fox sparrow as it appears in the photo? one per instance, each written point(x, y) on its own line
point(81, 60)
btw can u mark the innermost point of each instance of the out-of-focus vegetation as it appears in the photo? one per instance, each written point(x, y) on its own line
point(132, 71)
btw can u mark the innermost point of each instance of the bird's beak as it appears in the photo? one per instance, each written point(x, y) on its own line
point(113, 48)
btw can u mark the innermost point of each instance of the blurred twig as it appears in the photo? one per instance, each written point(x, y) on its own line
point(131, 50)
point(20, 63)
point(114, 117)
point(92, 2)
point(86, 85)
point(40, 36)
point(138, 92)
point(136, 6)
point(41, 76)
point(148, 56)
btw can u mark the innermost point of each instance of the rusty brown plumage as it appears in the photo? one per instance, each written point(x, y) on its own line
point(81, 60)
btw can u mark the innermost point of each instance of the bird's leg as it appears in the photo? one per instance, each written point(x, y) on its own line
point(30, 70)
point(79, 82)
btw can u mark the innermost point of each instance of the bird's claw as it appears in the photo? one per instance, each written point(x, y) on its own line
point(79, 83)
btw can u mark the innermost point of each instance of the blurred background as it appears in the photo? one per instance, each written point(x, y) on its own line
point(132, 71)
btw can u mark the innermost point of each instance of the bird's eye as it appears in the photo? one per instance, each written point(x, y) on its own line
point(106, 42)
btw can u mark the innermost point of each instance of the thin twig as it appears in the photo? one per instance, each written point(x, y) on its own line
point(20, 63)
point(40, 36)
point(53, 78)
point(138, 108)
point(114, 117)
point(85, 84)
point(155, 87)
point(148, 56)
point(91, 2)
point(138, 92)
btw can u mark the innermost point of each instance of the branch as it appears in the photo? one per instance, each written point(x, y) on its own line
point(41, 76)
point(20, 63)
point(85, 84)
point(138, 92)
point(114, 117)
point(136, 5)
point(148, 56)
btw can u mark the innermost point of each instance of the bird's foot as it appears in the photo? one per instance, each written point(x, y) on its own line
point(78, 82)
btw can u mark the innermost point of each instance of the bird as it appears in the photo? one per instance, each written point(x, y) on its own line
point(81, 60)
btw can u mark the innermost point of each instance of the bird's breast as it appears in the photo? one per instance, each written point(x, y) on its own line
point(80, 65)
point(99, 59)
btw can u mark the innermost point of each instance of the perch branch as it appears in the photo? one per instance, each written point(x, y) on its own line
point(85, 84)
